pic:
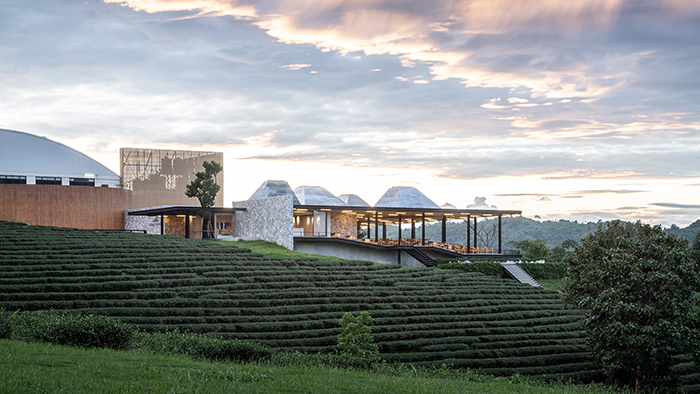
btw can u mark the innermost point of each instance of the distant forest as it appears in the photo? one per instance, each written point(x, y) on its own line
point(518, 229)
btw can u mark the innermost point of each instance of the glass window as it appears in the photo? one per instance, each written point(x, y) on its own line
point(82, 182)
point(13, 179)
point(48, 180)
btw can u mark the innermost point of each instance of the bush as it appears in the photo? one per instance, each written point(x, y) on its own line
point(5, 324)
point(201, 346)
point(72, 330)
point(356, 340)
point(554, 270)
point(490, 268)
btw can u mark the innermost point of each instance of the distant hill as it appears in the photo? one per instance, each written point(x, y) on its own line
point(520, 228)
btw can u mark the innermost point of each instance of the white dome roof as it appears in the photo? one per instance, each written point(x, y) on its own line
point(23, 153)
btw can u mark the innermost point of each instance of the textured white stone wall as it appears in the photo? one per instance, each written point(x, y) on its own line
point(140, 223)
point(344, 224)
point(270, 219)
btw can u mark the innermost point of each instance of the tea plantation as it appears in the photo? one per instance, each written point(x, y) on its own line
point(421, 316)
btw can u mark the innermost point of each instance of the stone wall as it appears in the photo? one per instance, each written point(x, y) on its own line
point(139, 223)
point(270, 219)
point(172, 225)
point(344, 224)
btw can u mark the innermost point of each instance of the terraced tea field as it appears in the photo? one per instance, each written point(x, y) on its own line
point(421, 315)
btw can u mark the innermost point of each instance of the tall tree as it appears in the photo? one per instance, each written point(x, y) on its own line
point(205, 188)
point(637, 284)
point(695, 249)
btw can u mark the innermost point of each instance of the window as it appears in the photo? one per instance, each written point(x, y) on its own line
point(13, 179)
point(82, 182)
point(48, 180)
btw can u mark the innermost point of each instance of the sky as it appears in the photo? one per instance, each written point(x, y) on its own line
point(580, 110)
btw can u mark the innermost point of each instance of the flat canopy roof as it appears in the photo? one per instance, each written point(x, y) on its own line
point(391, 215)
point(179, 210)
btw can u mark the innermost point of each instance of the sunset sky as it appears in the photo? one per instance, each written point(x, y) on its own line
point(564, 109)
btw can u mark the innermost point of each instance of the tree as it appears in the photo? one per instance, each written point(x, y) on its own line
point(534, 249)
point(559, 252)
point(638, 285)
point(205, 188)
point(695, 249)
point(356, 340)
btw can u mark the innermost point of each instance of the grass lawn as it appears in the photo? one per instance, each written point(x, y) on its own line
point(551, 284)
point(271, 249)
point(40, 368)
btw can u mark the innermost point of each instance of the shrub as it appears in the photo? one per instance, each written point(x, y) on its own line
point(553, 270)
point(201, 346)
point(72, 330)
point(490, 268)
point(5, 324)
point(356, 340)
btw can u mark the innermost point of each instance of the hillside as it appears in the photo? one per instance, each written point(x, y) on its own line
point(423, 316)
point(519, 228)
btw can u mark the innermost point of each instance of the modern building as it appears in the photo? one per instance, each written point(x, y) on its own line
point(44, 182)
point(159, 177)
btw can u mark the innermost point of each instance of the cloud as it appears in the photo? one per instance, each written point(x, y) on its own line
point(676, 206)
point(593, 98)
point(203, 7)
point(480, 203)
point(294, 66)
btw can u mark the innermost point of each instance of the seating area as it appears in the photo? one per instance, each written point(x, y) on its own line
point(462, 249)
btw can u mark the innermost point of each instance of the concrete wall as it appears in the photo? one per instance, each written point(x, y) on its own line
point(344, 224)
point(354, 252)
point(270, 219)
point(83, 207)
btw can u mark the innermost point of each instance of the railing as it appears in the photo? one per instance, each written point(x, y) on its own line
point(462, 249)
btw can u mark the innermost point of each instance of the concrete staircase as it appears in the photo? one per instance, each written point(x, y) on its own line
point(519, 274)
point(421, 257)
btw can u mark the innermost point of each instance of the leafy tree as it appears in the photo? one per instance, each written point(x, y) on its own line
point(356, 340)
point(695, 249)
point(559, 252)
point(534, 249)
point(638, 285)
point(205, 188)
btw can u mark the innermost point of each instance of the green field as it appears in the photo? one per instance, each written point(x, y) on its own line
point(421, 316)
point(41, 368)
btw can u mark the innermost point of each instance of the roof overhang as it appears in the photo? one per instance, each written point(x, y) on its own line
point(392, 214)
point(179, 210)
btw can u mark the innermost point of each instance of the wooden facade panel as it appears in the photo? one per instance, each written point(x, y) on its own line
point(81, 207)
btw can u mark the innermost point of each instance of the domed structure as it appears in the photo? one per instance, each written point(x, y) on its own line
point(274, 189)
point(353, 200)
point(317, 195)
point(405, 197)
point(30, 159)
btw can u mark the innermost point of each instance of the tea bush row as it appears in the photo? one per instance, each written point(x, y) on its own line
point(104, 332)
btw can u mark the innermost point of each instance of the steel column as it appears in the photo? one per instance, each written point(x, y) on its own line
point(499, 233)
point(413, 229)
point(444, 228)
point(162, 225)
point(399, 238)
point(475, 243)
point(423, 230)
point(187, 225)
point(469, 233)
point(376, 227)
